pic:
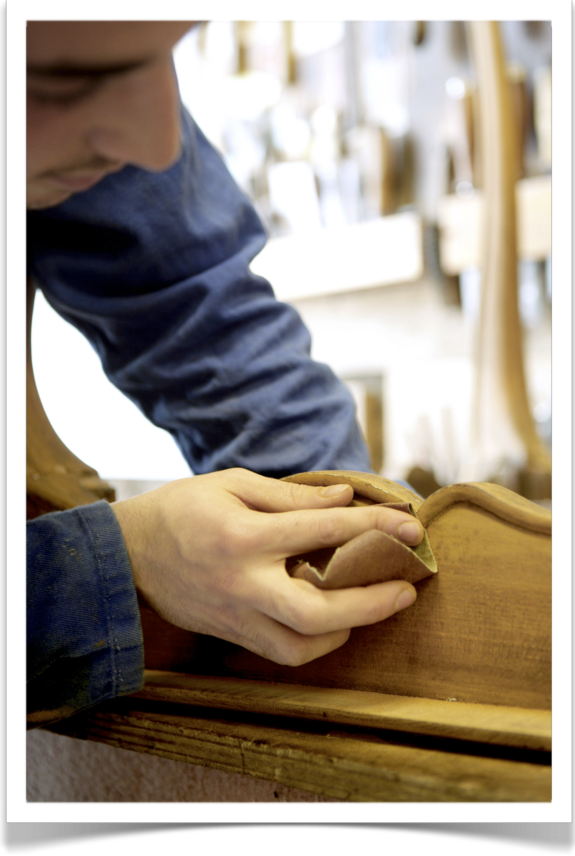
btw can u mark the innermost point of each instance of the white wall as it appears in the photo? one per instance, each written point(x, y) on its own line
point(97, 422)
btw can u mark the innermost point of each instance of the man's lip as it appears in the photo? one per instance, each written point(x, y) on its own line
point(79, 181)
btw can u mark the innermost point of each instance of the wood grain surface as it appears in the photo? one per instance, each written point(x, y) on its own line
point(333, 762)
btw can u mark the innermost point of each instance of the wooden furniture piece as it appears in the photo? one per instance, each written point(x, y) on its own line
point(448, 700)
point(503, 425)
point(454, 642)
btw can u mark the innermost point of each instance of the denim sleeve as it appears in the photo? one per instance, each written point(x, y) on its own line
point(154, 270)
point(84, 635)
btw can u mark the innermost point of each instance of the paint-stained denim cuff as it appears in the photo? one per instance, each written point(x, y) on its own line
point(84, 635)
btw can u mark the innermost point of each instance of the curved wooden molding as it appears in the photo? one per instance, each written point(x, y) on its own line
point(55, 478)
point(498, 500)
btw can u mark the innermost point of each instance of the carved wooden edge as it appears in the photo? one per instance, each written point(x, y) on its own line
point(480, 723)
point(498, 500)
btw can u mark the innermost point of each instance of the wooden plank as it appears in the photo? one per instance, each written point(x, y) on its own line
point(335, 764)
point(493, 724)
point(327, 261)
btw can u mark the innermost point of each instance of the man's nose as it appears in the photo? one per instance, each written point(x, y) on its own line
point(139, 121)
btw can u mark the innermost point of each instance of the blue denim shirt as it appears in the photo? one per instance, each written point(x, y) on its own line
point(153, 268)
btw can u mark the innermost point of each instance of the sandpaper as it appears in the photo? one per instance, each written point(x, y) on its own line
point(372, 557)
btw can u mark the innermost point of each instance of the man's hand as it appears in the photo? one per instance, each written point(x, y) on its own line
point(208, 554)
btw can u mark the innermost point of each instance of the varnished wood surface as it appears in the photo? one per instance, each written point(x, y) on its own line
point(481, 723)
point(331, 761)
point(479, 632)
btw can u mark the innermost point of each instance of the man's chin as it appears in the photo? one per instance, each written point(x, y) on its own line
point(37, 199)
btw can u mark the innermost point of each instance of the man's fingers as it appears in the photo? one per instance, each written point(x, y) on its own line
point(209, 554)
point(313, 611)
point(271, 495)
point(281, 644)
point(297, 532)
point(308, 518)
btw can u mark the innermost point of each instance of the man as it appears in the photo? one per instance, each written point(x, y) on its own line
point(138, 236)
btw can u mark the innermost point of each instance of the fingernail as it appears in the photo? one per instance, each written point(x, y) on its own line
point(405, 599)
point(409, 532)
point(334, 490)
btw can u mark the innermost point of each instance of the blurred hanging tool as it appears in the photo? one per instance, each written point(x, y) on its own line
point(516, 75)
point(542, 116)
point(242, 42)
point(460, 134)
point(290, 57)
point(419, 32)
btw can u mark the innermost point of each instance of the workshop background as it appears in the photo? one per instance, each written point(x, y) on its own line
point(358, 143)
